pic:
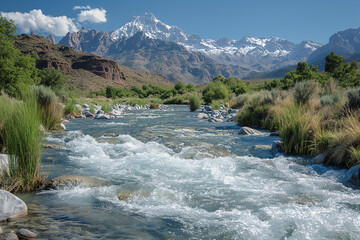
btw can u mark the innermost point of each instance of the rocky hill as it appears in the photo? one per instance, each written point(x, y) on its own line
point(83, 70)
point(345, 43)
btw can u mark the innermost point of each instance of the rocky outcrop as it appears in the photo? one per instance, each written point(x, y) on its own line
point(102, 67)
point(65, 59)
point(11, 206)
point(51, 39)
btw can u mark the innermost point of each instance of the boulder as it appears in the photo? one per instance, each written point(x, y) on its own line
point(85, 106)
point(11, 206)
point(1, 231)
point(65, 121)
point(78, 107)
point(62, 126)
point(101, 116)
point(248, 131)
point(4, 164)
point(26, 234)
point(212, 119)
point(319, 159)
point(88, 114)
point(9, 236)
point(353, 175)
point(116, 112)
point(70, 181)
point(202, 115)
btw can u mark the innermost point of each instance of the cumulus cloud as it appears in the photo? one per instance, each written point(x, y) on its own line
point(81, 7)
point(36, 21)
point(95, 15)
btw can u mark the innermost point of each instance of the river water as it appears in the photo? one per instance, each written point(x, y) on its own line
point(189, 179)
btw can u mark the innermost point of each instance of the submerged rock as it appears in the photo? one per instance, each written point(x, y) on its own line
point(262, 147)
point(276, 147)
point(25, 234)
point(9, 236)
point(69, 181)
point(202, 115)
point(353, 175)
point(50, 145)
point(128, 194)
point(248, 131)
point(319, 159)
point(11, 206)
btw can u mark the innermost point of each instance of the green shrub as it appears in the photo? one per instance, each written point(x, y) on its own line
point(195, 103)
point(354, 98)
point(215, 91)
point(304, 91)
point(154, 106)
point(176, 100)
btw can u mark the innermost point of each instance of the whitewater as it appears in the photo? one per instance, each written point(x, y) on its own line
point(188, 179)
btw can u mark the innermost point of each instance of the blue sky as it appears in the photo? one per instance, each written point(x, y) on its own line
point(293, 20)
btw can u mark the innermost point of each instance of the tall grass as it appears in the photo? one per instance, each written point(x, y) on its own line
point(50, 108)
point(20, 132)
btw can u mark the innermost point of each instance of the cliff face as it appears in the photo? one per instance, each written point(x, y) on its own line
point(65, 59)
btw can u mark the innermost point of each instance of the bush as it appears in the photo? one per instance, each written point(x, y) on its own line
point(154, 106)
point(215, 91)
point(354, 98)
point(23, 140)
point(304, 91)
point(195, 103)
point(51, 111)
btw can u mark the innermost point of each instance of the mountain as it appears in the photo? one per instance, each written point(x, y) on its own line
point(146, 54)
point(345, 43)
point(147, 44)
point(83, 70)
point(256, 53)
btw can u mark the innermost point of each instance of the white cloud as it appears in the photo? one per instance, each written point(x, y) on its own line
point(81, 7)
point(95, 15)
point(36, 21)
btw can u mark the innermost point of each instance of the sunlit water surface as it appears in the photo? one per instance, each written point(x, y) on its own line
point(192, 179)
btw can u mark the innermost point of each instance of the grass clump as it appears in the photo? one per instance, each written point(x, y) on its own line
point(304, 91)
point(21, 135)
point(50, 109)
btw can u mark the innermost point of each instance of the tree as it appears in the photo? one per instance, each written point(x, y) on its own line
point(332, 61)
point(17, 72)
point(215, 91)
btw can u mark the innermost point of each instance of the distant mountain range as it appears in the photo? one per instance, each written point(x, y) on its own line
point(147, 44)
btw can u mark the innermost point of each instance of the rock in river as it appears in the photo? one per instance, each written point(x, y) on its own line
point(69, 181)
point(248, 131)
point(26, 234)
point(11, 206)
point(9, 236)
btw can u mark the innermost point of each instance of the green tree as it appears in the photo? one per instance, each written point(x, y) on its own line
point(332, 61)
point(17, 72)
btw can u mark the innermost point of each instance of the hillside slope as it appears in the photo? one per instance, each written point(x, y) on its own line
point(83, 70)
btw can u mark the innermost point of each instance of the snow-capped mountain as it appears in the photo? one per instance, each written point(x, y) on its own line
point(247, 46)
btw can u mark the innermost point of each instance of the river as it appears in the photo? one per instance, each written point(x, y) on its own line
point(191, 179)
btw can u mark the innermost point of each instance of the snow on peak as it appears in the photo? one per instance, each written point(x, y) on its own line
point(154, 28)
